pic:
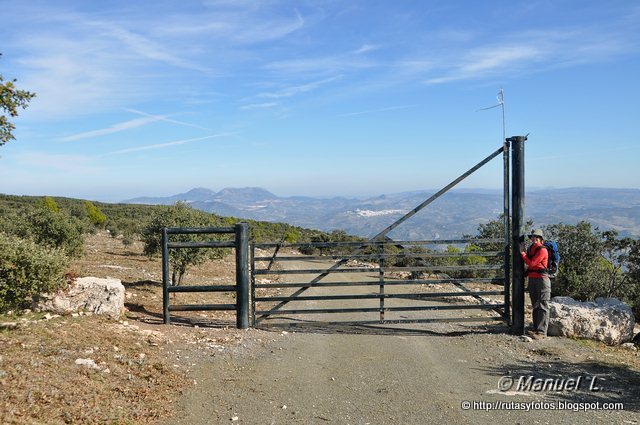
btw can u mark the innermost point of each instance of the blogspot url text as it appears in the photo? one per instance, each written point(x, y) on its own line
point(539, 405)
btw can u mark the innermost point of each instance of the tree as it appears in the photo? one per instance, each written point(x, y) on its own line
point(54, 229)
point(616, 253)
point(96, 217)
point(11, 99)
point(49, 203)
point(583, 268)
point(28, 269)
point(494, 229)
point(634, 276)
point(180, 215)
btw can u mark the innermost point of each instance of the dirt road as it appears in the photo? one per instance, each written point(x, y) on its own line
point(410, 374)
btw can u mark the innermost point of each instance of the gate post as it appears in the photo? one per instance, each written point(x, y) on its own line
point(242, 275)
point(517, 232)
point(506, 215)
point(165, 276)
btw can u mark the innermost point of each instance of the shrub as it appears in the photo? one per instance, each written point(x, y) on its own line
point(49, 203)
point(180, 215)
point(27, 270)
point(54, 229)
point(96, 217)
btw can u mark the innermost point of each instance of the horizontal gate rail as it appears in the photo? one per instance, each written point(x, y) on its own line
point(393, 321)
point(383, 269)
point(378, 256)
point(377, 243)
point(377, 283)
point(199, 230)
point(202, 307)
point(241, 287)
point(375, 309)
point(229, 244)
point(203, 288)
point(378, 296)
point(378, 274)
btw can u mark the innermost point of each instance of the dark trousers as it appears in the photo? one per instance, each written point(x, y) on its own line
point(540, 292)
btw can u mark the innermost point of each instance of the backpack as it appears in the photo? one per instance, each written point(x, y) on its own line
point(554, 258)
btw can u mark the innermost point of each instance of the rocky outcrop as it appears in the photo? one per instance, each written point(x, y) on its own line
point(90, 294)
point(606, 319)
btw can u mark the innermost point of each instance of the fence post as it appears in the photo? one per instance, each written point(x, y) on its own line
point(165, 276)
point(517, 233)
point(507, 232)
point(253, 284)
point(242, 275)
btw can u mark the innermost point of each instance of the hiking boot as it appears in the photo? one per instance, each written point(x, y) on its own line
point(538, 335)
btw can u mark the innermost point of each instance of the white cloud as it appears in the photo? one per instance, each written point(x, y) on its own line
point(165, 145)
point(115, 128)
point(58, 162)
point(294, 90)
point(372, 111)
point(365, 48)
point(235, 26)
point(150, 49)
point(166, 119)
point(484, 61)
point(530, 51)
point(260, 105)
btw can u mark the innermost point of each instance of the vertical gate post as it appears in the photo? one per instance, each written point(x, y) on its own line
point(165, 276)
point(242, 275)
point(507, 231)
point(517, 233)
point(253, 283)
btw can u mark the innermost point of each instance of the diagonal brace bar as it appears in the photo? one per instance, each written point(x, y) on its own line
point(401, 220)
point(438, 194)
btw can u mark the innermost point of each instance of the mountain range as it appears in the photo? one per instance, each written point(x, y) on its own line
point(456, 213)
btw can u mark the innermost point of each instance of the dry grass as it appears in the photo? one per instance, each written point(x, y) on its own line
point(139, 370)
point(132, 381)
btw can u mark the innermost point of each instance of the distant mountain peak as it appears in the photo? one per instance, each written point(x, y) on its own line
point(252, 190)
point(201, 191)
point(244, 194)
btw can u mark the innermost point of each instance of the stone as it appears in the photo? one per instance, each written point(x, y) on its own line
point(8, 325)
point(87, 294)
point(89, 363)
point(525, 338)
point(629, 346)
point(608, 320)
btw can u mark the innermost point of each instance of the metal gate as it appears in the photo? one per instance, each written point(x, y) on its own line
point(414, 279)
point(379, 282)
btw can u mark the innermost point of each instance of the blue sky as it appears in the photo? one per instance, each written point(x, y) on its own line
point(320, 98)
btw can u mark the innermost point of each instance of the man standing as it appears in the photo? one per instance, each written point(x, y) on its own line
point(539, 284)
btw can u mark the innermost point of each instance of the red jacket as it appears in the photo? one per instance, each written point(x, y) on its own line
point(537, 260)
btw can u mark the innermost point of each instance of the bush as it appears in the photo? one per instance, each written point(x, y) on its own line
point(54, 229)
point(96, 217)
point(181, 215)
point(28, 270)
point(49, 203)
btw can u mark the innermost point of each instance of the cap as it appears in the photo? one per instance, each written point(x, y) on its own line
point(536, 232)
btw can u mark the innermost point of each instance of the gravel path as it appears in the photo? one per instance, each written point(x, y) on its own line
point(410, 374)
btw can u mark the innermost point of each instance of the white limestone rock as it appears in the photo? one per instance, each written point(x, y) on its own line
point(87, 294)
point(606, 319)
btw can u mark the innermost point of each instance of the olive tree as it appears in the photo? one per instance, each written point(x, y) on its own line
point(180, 215)
point(11, 99)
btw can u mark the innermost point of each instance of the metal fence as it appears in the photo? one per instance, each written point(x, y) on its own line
point(241, 287)
point(383, 258)
point(405, 273)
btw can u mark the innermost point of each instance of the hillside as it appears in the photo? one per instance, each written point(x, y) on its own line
point(129, 219)
point(454, 214)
